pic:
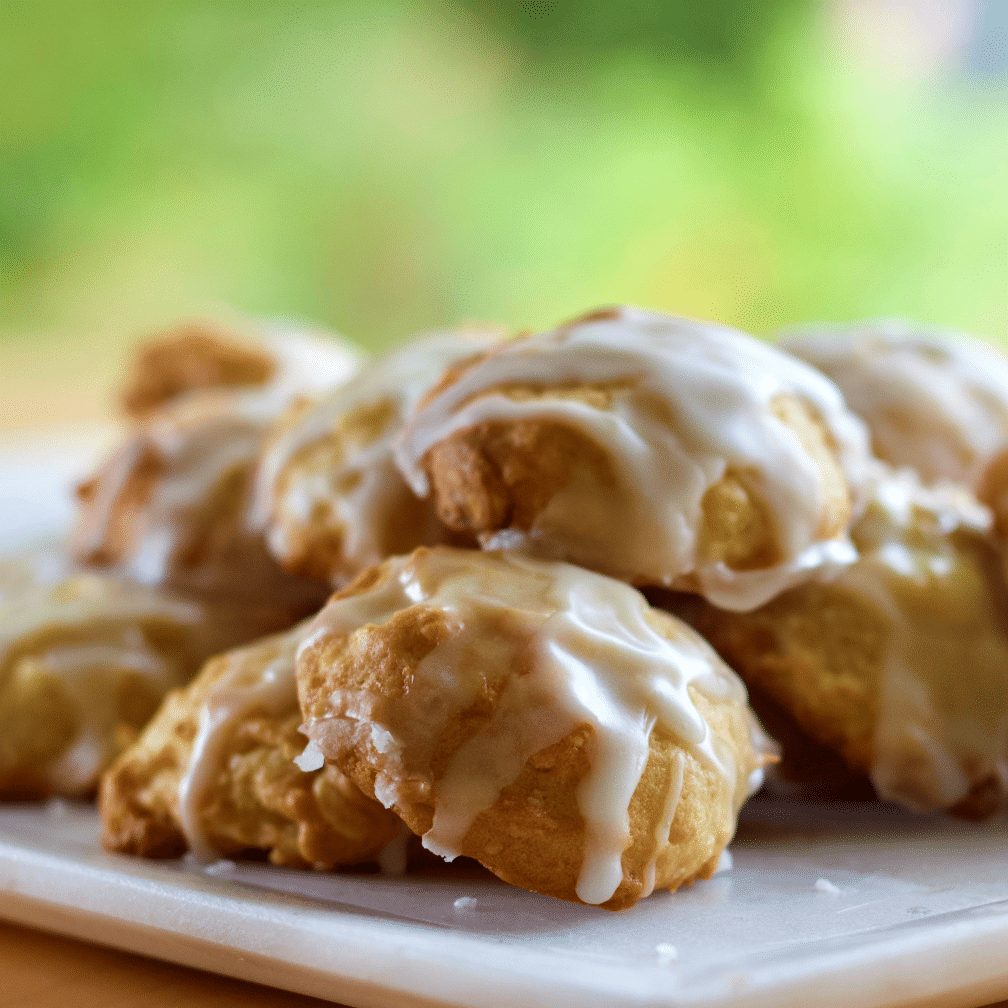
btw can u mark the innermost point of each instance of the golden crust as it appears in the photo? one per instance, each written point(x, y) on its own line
point(317, 545)
point(498, 476)
point(816, 651)
point(823, 653)
point(258, 799)
point(505, 475)
point(38, 723)
point(533, 835)
point(171, 507)
point(190, 357)
point(103, 535)
point(328, 487)
point(805, 769)
point(83, 665)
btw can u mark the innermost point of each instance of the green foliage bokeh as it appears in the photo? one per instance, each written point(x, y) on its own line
point(392, 165)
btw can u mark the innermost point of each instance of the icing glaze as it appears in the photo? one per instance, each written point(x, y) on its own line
point(195, 451)
point(936, 402)
point(926, 565)
point(308, 359)
point(591, 653)
point(688, 401)
point(254, 682)
point(363, 487)
point(196, 444)
point(82, 628)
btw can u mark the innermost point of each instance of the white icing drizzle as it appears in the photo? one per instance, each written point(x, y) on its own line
point(259, 679)
point(197, 442)
point(663, 825)
point(364, 488)
point(308, 359)
point(936, 402)
point(195, 457)
point(84, 601)
point(589, 655)
point(81, 628)
point(942, 723)
point(690, 400)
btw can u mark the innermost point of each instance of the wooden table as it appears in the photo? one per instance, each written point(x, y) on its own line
point(46, 971)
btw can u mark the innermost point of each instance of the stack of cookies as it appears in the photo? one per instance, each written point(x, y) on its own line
point(501, 598)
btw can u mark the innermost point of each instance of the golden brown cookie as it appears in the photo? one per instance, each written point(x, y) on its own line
point(27, 571)
point(806, 770)
point(172, 506)
point(214, 772)
point(191, 356)
point(84, 663)
point(935, 402)
point(534, 716)
point(203, 354)
point(654, 449)
point(328, 491)
point(898, 662)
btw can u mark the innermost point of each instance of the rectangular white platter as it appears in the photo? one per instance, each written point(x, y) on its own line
point(921, 915)
point(909, 911)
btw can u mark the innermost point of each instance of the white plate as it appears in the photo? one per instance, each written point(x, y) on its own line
point(907, 908)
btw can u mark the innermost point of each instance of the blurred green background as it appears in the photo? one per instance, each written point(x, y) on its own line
point(384, 167)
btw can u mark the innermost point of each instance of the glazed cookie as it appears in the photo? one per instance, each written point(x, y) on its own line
point(328, 492)
point(200, 355)
point(25, 572)
point(936, 402)
point(898, 662)
point(171, 507)
point(83, 663)
point(215, 773)
point(534, 716)
point(654, 449)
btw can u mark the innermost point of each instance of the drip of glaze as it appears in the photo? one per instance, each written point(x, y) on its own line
point(589, 655)
point(248, 686)
point(926, 565)
point(364, 488)
point(936, 402)
point(81, 628)
point(77, 768)
point(689, 401)
point(663, 825)
point(197, 459)
point(199, 442)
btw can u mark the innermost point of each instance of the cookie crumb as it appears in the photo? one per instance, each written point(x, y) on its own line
point(311, 758)
point(221, 867)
